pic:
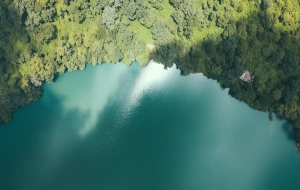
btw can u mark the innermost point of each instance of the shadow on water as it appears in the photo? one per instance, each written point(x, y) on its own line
point(223, 58)
point(56, 76)
point(254, 43)
point(287, 128)
point(40, 136)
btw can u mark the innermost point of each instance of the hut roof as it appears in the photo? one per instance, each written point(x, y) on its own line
point(246, 76)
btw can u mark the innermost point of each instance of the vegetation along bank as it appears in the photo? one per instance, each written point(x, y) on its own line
point(221, 39)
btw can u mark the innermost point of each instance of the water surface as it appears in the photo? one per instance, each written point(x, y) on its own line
point(118, 127)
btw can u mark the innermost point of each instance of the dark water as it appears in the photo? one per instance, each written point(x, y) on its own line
point(117, 127)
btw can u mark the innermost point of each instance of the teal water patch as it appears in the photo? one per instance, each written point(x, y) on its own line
point(118, 127)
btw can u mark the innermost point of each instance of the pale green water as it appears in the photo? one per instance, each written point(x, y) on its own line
point(117, 127)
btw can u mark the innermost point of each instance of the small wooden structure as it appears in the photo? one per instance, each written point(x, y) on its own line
point(247, 77)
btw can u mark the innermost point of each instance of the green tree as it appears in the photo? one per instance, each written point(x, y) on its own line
point(267, 4)
point(131, 10)
point(161, 33)
point(149, 18)
point(156, 4)
point(276, 94)
point(45, 33)
point(109, 17)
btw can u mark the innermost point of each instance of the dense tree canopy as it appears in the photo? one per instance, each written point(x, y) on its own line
point(220, 39)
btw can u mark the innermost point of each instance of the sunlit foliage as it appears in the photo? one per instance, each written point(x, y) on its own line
point(220, 39)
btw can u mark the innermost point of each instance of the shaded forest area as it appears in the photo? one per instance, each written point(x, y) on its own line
point(220, 39)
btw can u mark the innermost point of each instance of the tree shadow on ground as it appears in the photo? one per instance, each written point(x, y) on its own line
point(256, 44)
point(16, 47)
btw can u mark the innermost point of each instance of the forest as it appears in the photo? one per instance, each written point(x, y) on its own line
point(219, 38)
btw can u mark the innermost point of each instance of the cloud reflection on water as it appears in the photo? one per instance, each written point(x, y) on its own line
point(192, 135)
point(91, 97)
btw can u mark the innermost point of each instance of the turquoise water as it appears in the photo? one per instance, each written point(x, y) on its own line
point(117, 127)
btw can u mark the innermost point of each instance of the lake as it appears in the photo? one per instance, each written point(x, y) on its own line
point(114, 127)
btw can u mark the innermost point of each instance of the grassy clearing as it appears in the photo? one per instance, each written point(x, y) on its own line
point(142, 32)
point(165, 13)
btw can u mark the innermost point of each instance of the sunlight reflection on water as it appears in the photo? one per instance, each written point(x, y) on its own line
point(226, 152)
point(150, 80)
point(123, 127)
